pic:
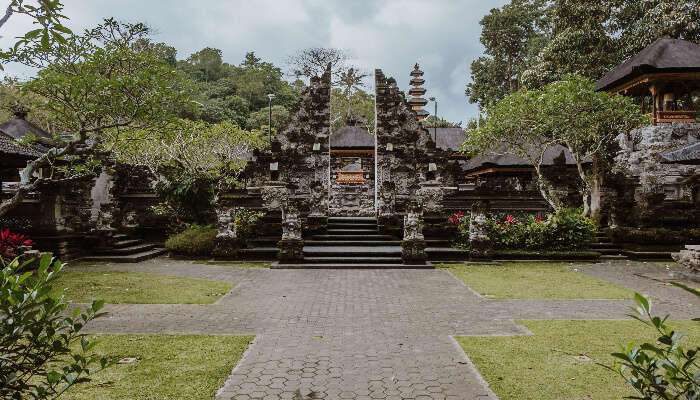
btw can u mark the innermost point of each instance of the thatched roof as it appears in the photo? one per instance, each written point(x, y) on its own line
point(502, 158)
point(689, 154)
point(10, 147)
point(352, 137)
point(448, 138)
point(664, 55)
point(18, 128)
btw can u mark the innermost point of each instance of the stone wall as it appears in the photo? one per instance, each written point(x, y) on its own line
point(647, 193)
point(352, 199)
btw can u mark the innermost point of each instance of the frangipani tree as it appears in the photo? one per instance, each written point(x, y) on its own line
point(587, 122)
point(515, 125)
point(97, 87)
point(194, 161)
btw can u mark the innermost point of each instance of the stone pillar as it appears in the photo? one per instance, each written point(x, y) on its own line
point(291, 247)
point(227, 241)
point(480, 245)
point(413, 243)
point(317, 220)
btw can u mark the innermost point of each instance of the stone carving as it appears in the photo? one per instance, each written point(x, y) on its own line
point(413, 225)
point(480, 245)
point(689, 258)
point(274, 195)
point(413, 243)
point(291, 224)
point(431, 195)
point(227, 241)
point(319, 200)
point(386, 200)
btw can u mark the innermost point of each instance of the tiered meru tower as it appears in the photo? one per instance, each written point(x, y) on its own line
point(417, 102)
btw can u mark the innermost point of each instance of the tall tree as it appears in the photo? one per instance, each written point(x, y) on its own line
point(350, 81)
point(313, 61)
point(361, 104)
point(579, 44)
point(510, 36)
point(144, 93)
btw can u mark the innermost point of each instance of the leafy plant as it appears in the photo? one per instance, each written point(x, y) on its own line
point(195, 240)
point(664, 370)
point(461, 221)
point(11, 242)
point(38, 359)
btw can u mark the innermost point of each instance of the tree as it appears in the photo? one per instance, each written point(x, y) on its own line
point(45, 13)
point(38, 336)
point(260, 120)
point(360, 104)
point(434, 122)
point(195, 162)
point(579, 44)
point(587, 122)
point(314, 61)
point(510, 36)
point(638, 23)
point(514, 126)
point(144, 93)
point(350, 81)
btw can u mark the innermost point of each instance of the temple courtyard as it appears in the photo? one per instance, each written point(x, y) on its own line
point(374, 334)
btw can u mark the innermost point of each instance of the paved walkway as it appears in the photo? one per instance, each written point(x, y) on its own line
point(365, 334)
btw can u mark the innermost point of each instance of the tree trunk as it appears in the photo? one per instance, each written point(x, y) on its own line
point(595, 186)
point(546, 190)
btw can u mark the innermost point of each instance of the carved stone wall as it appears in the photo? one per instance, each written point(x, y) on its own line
point(352, 199)
point(661, 194)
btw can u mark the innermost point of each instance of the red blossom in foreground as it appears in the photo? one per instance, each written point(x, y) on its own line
point(456, 218)
point(9, 242)
point(540, 219)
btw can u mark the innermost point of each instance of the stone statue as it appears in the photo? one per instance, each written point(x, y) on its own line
point(227, 223)
point(413, 225)
point(291, 224)
point(319, 200)
point(479, 241)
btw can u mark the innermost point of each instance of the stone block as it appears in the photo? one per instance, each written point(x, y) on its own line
point(291, 251)
point(413, 251)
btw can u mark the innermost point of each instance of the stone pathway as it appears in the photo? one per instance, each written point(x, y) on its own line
point(363, 334)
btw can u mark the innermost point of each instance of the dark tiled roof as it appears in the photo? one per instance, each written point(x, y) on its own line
point(664, 55)
point(417, 100)
point(9, 146)
point(416, 90)
point(352, 137)
point(503, 159)
point(689, 154)
point(417, 81)
point(421, 112)
point(18, 128)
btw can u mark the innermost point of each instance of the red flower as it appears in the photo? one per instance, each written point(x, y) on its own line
point(456, 218)
point(511, 219)
point(540, 219)
point(9, 242)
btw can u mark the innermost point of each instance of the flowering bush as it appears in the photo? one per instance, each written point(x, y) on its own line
point(11, 242)
point(461, 221)
point(564, 230)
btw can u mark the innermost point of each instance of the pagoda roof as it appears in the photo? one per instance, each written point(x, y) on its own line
point(352, 137)
point(416, 90)
point(664, 55)
point(417, 81)
point(421, 112)
point(417, 101)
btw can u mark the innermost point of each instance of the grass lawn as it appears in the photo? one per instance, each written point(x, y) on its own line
point(534, 281)
point(537, 367)
point(168, 367)
point(235, 264)
point(139, 288)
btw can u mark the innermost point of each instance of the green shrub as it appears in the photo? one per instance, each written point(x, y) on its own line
point(665, 369)
point(38, 336)
point(195, 240)
point(565, 230)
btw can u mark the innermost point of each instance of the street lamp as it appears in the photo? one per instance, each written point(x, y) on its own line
point(269, 124)
point(433, 99)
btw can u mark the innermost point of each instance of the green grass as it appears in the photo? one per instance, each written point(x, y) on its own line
point(543, 367)
point(86, 263)
point(534, 281)
point(235, 264)
point(168, 367)
point(138, 288)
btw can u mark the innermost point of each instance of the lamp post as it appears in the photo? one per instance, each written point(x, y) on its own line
point(434, 100)
point(269, 124)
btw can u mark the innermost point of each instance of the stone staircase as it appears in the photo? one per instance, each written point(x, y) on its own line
point(126, 250)
point(607, 249)
point(351, 243)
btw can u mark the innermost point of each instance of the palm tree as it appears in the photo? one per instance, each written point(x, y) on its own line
point(350, 81)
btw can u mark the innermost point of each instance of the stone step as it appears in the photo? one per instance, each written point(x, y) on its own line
point(353, 260)
point(350, 251)
point(649, 255)
point(259, 253)
point(127, 258)
point(139, 248)
point(601, 245)
point(346, 232)
point(337, 226)
point(446, 254)
point(368, 243)
point(120, 236)
point(126, 243)
point(340, 238)
point(350, 266)
point(612, 258)
point(608, 252)
point(352, 219)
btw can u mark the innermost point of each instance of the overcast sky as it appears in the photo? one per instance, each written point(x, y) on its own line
point(441, 35)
